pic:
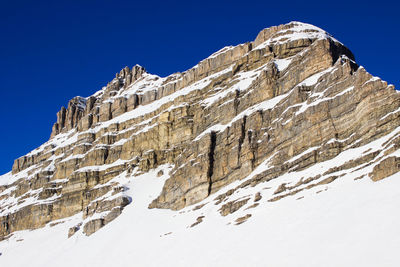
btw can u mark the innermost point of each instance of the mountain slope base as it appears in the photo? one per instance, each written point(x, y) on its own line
point(354, 223)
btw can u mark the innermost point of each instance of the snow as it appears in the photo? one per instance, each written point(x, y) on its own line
point(147, 83)
point(214, 128)
point(353, 223)
point(31, 197)
point(6, 179)
point(120, 142)
point(267, 104)
point(351, 88)
point(221, 51)
point(389, 114)
point(320, 99)
point(372, 79)
point(102, 167)
point(312, 80)
point(81, 102)
point(311, 149)
point(59, 181)
point(9, 178)
point(60, 140)
point(329, 225)
point(142, 110)
point(244, 80)
point(332, 140)
point(298, 31)
point(282, 64)
point(345, 223)
point(72, 156)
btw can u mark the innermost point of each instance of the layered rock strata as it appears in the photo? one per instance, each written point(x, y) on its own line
point(250, 113)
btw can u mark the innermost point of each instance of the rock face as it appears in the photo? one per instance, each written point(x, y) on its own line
point(250, 113)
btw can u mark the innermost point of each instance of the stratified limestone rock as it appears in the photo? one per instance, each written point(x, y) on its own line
point(257, 197)
point(232, 206)
point(385, 168)
point(243, 219)
point(92, 226)
point(248, 114)
point(74, 229)
point(198, 221)
point(68, 118)
point(116, 205)
point(114, 208)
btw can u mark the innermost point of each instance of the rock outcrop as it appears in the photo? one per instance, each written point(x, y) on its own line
point(250, 113)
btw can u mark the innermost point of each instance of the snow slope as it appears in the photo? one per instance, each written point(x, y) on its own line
point(354, 223)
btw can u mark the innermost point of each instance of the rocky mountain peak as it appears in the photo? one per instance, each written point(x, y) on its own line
point(290, 32)
point(287, 113)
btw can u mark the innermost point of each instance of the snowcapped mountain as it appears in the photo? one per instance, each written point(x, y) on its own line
point(281, 151)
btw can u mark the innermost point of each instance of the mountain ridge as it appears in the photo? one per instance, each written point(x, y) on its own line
point(239, 119)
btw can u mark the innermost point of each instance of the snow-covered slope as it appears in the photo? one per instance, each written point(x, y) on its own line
point(277, 152)
point(354, 223)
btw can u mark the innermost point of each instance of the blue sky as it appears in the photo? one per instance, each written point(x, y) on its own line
point(51, 51)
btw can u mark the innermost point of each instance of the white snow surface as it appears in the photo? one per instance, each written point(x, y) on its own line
point(350, 223)
point(312, 80)
point(6, 178)
point(282, 64)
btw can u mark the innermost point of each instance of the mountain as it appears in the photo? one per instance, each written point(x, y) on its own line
point(280, 151)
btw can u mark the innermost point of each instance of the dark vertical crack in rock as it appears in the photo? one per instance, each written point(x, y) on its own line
point(242, 136)
point(253, 148)
point(213, 138)
point(236, 101)
point(105, 155)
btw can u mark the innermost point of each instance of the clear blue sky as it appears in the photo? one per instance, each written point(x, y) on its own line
point(51, 51)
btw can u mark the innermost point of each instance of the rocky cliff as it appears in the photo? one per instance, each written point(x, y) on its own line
point(291, 110)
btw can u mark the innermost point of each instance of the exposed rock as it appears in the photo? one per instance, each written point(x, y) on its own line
point(92, 226)
point(232, 206)
point(280, 189)
point(198, 220)
point(248, 114)
point(385, 168)
point(74, 229)
point(243, 219)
